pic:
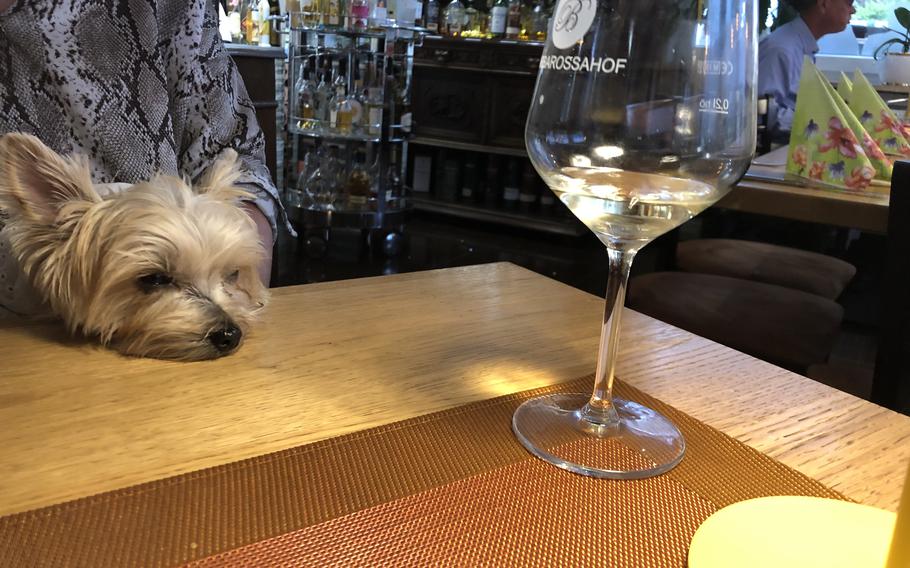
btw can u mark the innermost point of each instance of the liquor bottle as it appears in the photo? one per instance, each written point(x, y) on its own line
point(305, 99)
point(527, 194)
point(422, 173)
point(340, 108)
point(454, 17)
point(513, 19)
point(322, 100)
point(510, 190)
point(358, 186)
point(547, 197)
point(274, 14)
point(379, 13)
point(469, 179)
point(431, 16)
point(374, 103)
point(264, 23)
point(449, 177)
point(408, 11)
point(358, 14)
point(317, 186)
point(249, 21)
point(492, 187)
point(539, 20)
point(393, 179)
point(232, 12)
point(473, 19)
point(419, 14)
point(331, 12)
point(498, 15)
point(357, 98)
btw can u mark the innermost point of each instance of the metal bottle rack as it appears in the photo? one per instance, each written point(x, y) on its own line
point(361, 165)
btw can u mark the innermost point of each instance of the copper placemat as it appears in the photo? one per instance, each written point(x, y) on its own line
point(453, 487)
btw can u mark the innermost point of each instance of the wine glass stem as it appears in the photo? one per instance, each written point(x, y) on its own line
point(600, 410)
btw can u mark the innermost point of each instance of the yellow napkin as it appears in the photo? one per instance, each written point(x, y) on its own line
point(823, 147)
point(881, 122)
point(845, 87)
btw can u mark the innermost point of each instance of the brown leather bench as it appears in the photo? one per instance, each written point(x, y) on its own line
point(811, 272)
point(788, 327)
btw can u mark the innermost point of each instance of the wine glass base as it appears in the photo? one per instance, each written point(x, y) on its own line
point(642, 444)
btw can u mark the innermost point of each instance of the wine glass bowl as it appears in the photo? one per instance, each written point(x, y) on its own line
point(643, 116)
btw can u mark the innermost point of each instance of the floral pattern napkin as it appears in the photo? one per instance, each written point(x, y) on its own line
point(885, 127)
point(845, 87)
point(823, 146)
point(882, 164)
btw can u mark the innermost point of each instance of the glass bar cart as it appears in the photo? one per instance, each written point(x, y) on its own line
point(349, 120)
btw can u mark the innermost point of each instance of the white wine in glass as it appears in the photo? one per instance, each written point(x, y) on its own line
point(643, 116)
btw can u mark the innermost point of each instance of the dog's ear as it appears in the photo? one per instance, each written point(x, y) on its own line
point(221, 178)
point(35, 182)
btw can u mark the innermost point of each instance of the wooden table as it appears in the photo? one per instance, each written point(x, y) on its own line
point(338, 357)
point(765, 191)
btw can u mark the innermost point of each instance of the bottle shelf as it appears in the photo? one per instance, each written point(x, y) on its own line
point(523, 220)
point(330, 134)
point(349, 219)
point(318, 23)
point(350, 161)
point(455, 145)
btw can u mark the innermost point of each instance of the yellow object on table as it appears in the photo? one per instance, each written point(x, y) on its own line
point(793, 532)
point(804, 532)
point(899, 555)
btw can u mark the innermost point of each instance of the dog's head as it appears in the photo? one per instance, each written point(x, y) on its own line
point(160, 270)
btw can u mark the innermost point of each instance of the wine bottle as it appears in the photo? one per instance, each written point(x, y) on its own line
point(527, 194)
point(274, 14)
point(358, 14)
point(305, 100)
point(513, 19)
point(510, 190)
point(498, 15)
point(492, 188)
point(469, 179)
point(431, 16)
point(539, 21)
point(454, 17)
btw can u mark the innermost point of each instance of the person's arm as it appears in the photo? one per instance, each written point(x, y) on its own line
point(264, 228)
point(213, 112)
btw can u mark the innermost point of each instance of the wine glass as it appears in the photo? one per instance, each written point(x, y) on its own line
point(643, 116)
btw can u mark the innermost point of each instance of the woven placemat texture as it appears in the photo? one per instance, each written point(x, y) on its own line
point(453, 487)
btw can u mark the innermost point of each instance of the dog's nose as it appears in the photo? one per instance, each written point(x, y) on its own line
point(226, 338)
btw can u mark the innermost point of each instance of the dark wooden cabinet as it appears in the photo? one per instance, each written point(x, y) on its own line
point(474, 91)
point(445, 104)
point(257, 68)
point(470, 103)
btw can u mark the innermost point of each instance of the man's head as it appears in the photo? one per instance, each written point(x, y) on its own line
point(824, 16)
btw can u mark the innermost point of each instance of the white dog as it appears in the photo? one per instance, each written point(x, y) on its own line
point(159, 270)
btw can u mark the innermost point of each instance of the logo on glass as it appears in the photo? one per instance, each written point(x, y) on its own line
point(572, 20)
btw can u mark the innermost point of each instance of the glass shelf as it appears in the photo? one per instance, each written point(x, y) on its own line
point(309, 22)
point(330, 134)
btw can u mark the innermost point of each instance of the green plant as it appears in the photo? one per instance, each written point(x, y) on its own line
point(873, 10)
point(903, 18)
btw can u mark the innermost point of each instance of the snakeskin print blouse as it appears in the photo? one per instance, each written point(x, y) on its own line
point(139, 86)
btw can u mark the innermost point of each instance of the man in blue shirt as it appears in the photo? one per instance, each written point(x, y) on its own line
point(780, 55)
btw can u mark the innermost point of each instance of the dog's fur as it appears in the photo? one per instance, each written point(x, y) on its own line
point(155, 271)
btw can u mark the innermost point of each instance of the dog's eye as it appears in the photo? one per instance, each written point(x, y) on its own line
point(232, 277)
point(155, 280)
